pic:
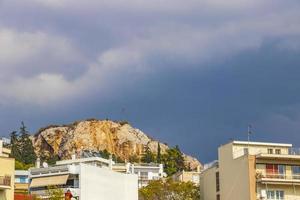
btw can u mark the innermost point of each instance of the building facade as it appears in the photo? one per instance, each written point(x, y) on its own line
point(7, 170)
point(145, 172)
point(86, 178)
point(253, 171)
point(21, 181)
point(188, 176)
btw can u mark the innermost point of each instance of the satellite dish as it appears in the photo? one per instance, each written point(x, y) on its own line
point(45, 165)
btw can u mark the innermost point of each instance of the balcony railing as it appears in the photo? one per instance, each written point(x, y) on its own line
point(5, 181)
point(278, 176)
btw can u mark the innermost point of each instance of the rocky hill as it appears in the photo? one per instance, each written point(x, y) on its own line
point(117, 138)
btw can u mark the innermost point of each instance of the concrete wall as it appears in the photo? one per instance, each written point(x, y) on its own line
point(237, 176)
point(208, 184)
point(7, 167)
point(103, 184)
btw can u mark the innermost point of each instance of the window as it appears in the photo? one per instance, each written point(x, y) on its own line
point(275, 194)
point(275, 171)
point(218, 197)
point(281, 171)
point(270, 151)
point(144, 175)
point(217, 181)
point(277, 151)
point(296, 172)
point(23, 180)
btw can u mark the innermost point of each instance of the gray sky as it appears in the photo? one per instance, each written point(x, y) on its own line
point(193, 73)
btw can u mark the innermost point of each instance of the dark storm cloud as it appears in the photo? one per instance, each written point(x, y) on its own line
point(202, 69)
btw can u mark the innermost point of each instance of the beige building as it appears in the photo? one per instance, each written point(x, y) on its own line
point(253, 171)
point(146, 172)
point(7, 170)
point(188, 176)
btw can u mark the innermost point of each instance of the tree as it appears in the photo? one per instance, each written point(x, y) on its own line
point(134, 159)
point(55, 193)
point(26, 147)
point(14, 145)
point(104, 154)
point(21, 147)
point(169, 190)
point(173, 161)
point(158, 156)
point(148, 157)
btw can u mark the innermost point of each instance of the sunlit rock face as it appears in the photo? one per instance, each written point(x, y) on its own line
point(118, 138)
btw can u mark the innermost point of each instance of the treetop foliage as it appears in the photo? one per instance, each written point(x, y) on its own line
point(169, 190)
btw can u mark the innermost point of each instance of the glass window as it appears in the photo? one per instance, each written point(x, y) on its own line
point(278, 151)
point(281, 171)
point(280, 195)
point(23, 180)
point(270, 151)
point(275, 194)
point(271, 195)
point(217, 181)
point(296, 172)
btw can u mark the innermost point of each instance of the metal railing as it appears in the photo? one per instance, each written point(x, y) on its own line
point(5, 181)
point(278, 176)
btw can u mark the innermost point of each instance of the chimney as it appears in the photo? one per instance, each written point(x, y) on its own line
point(38, 162)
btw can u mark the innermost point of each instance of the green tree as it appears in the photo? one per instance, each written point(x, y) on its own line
point(22, 166)
point(55, 193)
point(173, 161)
point(22, 148)
point(158, 156)
point(14, 145)
point(148, 157)
point(104, 154)
point(25, 144)
point(169, 190)
point(134, 159)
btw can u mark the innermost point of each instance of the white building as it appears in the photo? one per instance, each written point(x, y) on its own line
point(87, 179)
point(145, 172)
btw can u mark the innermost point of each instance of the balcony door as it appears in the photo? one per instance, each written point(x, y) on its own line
point(275, 171)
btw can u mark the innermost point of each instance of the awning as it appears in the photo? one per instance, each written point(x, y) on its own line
point(49, 181)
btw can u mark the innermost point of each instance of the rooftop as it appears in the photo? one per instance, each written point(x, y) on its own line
point(262, 144)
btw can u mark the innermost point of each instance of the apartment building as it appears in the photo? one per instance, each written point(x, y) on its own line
point(188, 176)
point(21, 181)
point(86, 178)
point(253, 171)
point(7, 170)
point(145, 172)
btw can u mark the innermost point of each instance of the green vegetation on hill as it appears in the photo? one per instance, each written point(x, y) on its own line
point(169, 190)
point(172, 160)
point(22, 149)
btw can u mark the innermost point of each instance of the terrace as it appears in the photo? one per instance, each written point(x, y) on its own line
point(5, 182)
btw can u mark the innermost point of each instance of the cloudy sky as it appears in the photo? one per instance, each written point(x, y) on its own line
point(187, 72)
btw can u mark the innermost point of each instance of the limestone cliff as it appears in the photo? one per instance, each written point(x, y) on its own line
point(117, 138)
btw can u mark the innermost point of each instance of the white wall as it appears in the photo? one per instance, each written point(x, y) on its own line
point(103, 184)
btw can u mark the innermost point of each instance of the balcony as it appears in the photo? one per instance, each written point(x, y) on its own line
point(5, 182)
point(278, 179)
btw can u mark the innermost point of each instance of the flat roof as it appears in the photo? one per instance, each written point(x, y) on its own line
point(21, 172)
point(262, 143)
point(83, 160)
